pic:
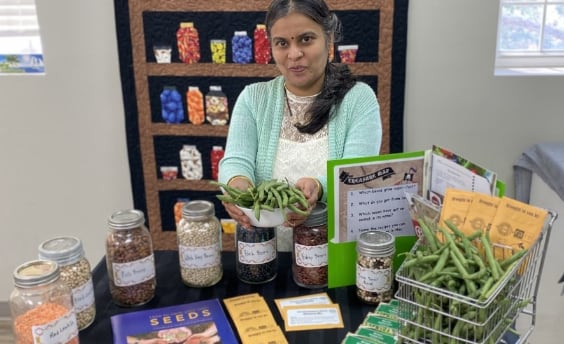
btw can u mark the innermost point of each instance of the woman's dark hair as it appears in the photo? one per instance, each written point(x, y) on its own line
point(338, 77)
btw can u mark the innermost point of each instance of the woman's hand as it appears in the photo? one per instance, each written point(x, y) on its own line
point(237, 214)
point(310, 188)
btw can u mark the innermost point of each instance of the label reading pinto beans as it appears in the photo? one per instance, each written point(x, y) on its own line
point(257, 253)
point(311, 256)
point(199, 257)
point(134, 272)
point(371, 280)
point(83, 296)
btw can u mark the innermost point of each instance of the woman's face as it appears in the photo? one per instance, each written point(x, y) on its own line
point(300, 51)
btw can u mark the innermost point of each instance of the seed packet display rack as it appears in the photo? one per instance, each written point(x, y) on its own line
point(434, 315)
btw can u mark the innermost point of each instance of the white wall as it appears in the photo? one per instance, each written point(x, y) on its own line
point(63, 152)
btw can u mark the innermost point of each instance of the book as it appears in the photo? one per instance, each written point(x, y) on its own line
point(186, 323)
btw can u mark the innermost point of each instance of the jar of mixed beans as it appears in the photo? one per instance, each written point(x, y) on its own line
point(41, 305)
point(130, 259)
point(374, 274)
point(309, 255)
point(256, 254)
point(75, 273)
point(199, 244)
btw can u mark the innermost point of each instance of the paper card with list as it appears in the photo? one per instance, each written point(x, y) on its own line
point(369, 194)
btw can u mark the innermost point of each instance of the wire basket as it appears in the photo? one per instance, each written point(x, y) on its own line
point(430, 314)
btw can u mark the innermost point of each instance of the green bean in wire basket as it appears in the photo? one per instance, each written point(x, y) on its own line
point(268, 195)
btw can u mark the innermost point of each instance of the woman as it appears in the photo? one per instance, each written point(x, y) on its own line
point(288, 128)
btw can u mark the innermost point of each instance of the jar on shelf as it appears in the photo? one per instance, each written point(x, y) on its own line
point(191, 162)
point(216, 155)
point(256, 255)
point(242, 47)
point(262, 45)
point(41, 305)
point(195, 103)
point(188, 42)
point(130, 259)
point(75, 272)
point(199, 244)
point(374, 267)
point(217, 112)
point(218, 49)
point(172, 110)
point(309, 249)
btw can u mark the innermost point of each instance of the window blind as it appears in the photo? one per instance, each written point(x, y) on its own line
point(18, 18)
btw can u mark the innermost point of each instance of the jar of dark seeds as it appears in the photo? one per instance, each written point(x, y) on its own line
point(130, 260)
point(75, 272)
point(199, 244)
point(374, 274)
point(256, 254)
point(309, 255)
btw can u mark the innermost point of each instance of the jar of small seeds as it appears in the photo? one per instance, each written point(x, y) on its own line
point(75, 272)
point(41, 305)
point(309, 255)
point(199, 244)
point(374, 267)
point(130, 260)
point(256, 254)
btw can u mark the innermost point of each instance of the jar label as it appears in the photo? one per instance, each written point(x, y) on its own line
point(311, 256)
point(376, 281)
point(83, 296)
point(198, 257)
point(135, 272)
point(60, 330)
point(257, 253)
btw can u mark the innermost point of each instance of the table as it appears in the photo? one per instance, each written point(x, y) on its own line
point(171, 291)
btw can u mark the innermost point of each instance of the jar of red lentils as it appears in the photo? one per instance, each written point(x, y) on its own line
point(41, 305)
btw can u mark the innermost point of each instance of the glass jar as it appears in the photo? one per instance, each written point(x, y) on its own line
point(309, 256)
point(188, 42)
point(41, 305)
point(199, 244)
point(374, 274)
point(191, 162)
point(242, 47)
point(130, 259)
point(256, 256)
point(75, 272)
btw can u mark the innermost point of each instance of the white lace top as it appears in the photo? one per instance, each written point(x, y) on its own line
point(299, 155)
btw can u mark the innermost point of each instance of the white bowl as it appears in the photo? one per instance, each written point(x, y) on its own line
point(267, 218)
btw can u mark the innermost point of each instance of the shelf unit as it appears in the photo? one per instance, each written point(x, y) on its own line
point(165, 238)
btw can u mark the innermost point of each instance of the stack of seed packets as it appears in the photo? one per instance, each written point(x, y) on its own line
point(378, 327)
point(310, 312)
point(254, 320)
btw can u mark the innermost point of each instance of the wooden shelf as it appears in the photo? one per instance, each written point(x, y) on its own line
point(184, 129)
point(237, 70)
point(185, 184)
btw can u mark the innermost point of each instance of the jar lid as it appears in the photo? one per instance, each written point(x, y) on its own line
point(376, 243)
point(36, 272)
point(318, 215)
point(126, 219)
point(198, 210)
point(63, 250)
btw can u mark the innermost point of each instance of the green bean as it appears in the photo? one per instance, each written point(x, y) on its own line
point(429, 236)
point(490, 256)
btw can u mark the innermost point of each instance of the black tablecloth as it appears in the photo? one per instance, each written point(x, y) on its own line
point(171, 291)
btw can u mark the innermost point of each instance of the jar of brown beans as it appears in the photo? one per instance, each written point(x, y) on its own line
point(199, 245)
point(130, 259)
point(75, 271)
point(309, 251)
point(41, 305)
point(374, 267)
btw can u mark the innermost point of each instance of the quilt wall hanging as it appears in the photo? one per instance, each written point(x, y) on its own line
point(183, 64)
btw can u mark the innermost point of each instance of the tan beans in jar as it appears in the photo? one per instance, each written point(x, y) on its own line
point(200, 251)
point(79, 278)
point(126, 246)
point(383, 264)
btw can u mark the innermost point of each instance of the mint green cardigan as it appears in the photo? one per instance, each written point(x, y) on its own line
point(252, 141)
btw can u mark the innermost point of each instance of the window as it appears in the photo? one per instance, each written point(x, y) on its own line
point(20, 43)
point(530, 38)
